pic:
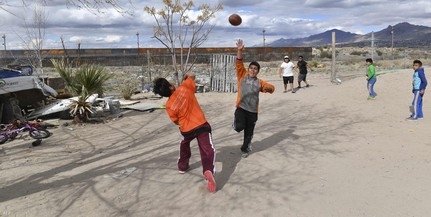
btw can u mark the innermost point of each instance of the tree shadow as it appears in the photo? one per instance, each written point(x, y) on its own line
point(150, 144)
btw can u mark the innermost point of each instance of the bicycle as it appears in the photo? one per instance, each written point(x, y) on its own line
point(10, 133)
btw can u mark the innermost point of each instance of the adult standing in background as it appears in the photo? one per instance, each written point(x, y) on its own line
point(302, 76)
point(286, 71)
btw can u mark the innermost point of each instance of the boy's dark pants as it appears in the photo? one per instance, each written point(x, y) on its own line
point(245, 120)
point(206, 148)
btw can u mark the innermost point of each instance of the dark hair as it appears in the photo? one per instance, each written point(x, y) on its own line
point(301, 57)
point(162, 87)
point(417, 62)
point(369, 60)
point(254, 63)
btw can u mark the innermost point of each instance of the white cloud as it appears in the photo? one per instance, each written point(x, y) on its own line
point(279, 18)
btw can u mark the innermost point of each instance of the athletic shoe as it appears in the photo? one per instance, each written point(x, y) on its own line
point(284, 91)
point(183, 171)
point(212, 187)
point(371, 98)
point(244, 154)
point(411, 119)
point(293, 91)
point(307, 85)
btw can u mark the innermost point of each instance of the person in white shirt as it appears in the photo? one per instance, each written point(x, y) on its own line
point(286, 71)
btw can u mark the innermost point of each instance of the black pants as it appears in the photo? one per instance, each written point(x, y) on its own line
point(245, 120)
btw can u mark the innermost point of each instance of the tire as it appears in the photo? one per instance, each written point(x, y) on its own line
point(3, 138)
point(39, 134)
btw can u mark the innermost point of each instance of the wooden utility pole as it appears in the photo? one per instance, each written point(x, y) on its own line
point(333, 74)
point(392, 43)
point(372, 45)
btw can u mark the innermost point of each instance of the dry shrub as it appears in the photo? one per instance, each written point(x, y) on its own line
point(128, 88)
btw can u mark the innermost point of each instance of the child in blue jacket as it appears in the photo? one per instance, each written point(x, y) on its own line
point(419, 86)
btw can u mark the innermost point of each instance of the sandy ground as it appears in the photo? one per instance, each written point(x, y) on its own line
point(323, 151)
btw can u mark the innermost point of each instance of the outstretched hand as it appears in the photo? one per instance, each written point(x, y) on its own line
point(267, 89)
point(240, 44)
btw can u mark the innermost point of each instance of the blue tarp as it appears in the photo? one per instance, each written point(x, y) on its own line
point(18, 71)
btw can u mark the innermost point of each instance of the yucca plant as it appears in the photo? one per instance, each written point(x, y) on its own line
point(80, 108)
point(82, 82)
point(91, 78)
point(66, 72)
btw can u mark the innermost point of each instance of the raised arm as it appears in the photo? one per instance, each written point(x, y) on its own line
point(240, 69)
point(189, 81)
point(240, 47)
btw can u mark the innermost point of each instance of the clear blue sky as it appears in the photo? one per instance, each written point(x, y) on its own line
point(279, 18)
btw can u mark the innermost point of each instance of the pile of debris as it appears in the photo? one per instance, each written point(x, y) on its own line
point(27, 97)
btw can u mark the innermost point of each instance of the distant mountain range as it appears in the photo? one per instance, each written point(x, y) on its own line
point(405, 35)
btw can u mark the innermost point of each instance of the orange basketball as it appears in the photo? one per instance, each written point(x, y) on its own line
point(235, 20)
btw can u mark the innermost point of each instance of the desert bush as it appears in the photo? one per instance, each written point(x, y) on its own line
point(128, 88)
point(356, 53)
point(359, 53)
point(379, 53)
point(314, 64)
point(326, 54)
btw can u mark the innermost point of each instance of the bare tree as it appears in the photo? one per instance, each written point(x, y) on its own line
point(175, 27)
point(35, 34)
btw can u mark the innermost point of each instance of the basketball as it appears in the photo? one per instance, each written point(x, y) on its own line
point(235, 20)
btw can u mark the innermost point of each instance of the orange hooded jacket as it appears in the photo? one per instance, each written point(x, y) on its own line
point(183, 107)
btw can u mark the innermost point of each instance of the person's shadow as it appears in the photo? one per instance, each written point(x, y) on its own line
point(230, 156)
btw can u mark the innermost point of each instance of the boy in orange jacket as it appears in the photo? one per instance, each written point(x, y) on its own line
point(247, 101)
point(184, 110)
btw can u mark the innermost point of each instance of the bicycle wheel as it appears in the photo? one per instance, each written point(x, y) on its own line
point(39, 134)
point(3, 138)
point(13, 135)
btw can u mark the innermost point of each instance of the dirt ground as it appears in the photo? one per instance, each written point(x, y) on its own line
point(324, 151)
